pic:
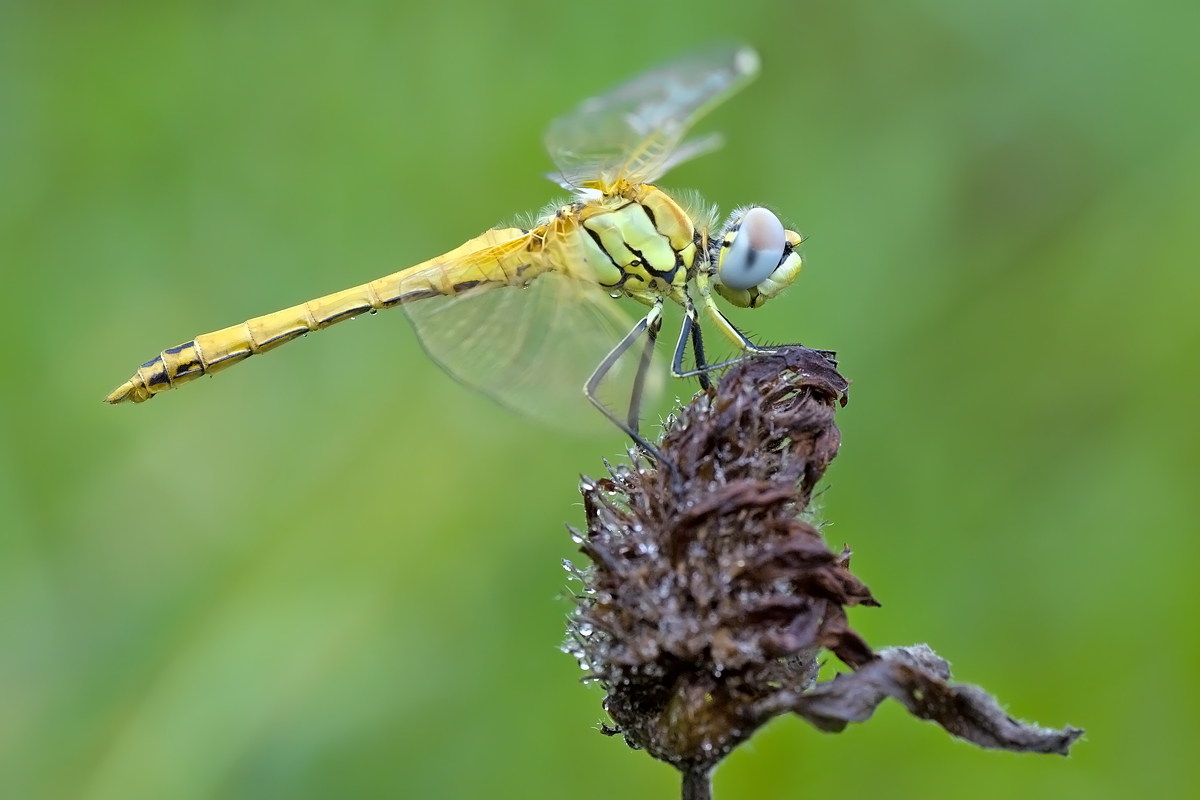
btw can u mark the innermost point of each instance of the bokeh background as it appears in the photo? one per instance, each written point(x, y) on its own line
point(334, 572)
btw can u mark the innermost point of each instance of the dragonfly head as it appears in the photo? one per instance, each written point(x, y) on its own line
point(757, 258)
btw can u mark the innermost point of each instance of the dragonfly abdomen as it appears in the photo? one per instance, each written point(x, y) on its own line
point(212, 352)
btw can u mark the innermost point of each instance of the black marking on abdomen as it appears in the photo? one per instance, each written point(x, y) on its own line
point(416, 294)
point(160, 376)
point(233, 354)
point(285, 336)
point(189, 368)
point(183, 369)
point(347, 314)
point(465, 285)
point(389, 302)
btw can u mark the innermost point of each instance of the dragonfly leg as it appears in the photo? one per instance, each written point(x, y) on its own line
point(639, 380)
point(739, 340)
point(652, 320)
point(743, 343)
point(691, 329)
point(701, 361)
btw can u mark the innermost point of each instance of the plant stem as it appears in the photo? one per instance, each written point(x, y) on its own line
point(697, 784)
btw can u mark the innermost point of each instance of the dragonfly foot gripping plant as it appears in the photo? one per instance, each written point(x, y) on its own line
point(709, 596)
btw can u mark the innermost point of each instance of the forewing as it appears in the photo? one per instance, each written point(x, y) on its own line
point(633, 131)
point(531, 345)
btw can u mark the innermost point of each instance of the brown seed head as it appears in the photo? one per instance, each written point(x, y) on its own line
point(710, 593)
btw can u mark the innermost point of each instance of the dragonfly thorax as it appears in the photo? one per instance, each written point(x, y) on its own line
point(636, 240)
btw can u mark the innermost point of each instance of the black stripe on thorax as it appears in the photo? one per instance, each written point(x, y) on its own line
point(649, 215)
point(665, 274)
point(599, 244)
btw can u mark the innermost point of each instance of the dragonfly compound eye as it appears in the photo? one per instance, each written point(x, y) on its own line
point(751, 251)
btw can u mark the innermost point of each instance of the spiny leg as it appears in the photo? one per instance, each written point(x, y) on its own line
point(748, 348)
point(639, 380)
point(691, 329)
point(651, 320)
point(735, 336)
point(701, 360)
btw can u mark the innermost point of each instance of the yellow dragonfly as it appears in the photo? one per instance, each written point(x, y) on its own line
point(513, 310)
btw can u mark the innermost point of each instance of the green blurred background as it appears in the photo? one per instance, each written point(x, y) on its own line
point(335, 573)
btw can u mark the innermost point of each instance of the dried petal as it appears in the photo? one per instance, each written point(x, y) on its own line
point(917, 678)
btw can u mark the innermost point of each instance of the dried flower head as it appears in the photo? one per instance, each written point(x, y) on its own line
point(709, 595)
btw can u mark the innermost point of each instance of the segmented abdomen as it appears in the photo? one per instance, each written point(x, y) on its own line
point(483, 258)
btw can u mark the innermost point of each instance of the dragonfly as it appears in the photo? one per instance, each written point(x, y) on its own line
point(512, 310)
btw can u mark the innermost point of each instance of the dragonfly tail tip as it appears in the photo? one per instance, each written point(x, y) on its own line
point(128, 392)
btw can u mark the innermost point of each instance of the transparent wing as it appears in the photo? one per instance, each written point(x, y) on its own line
point(633, 131)
point(532, 345)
